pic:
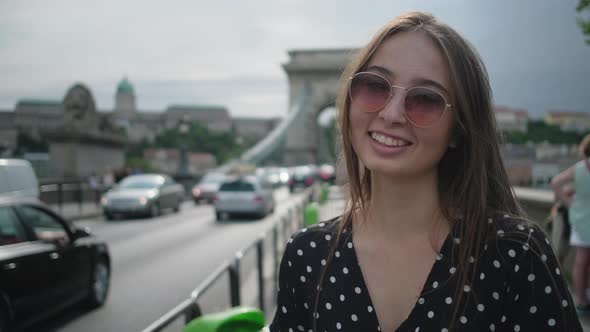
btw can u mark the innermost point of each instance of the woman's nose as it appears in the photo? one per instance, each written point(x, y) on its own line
point(393, 111)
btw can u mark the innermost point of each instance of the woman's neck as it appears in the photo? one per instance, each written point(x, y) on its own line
point(404, 207)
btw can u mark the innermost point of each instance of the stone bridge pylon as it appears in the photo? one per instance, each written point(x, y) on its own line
point(315, 73)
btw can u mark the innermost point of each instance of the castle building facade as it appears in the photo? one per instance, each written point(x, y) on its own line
point(39, 115)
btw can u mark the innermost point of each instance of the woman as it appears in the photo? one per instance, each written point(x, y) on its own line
point(432, 238)
point(578, 201)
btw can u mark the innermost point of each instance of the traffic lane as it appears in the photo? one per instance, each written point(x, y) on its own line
point(161, 234)
point(148, 287)
point(122, 229)
point(125, 229)
point(154, 271)
point(132, 244)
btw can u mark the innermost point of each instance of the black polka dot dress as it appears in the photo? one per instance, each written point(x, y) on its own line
point(518, 285)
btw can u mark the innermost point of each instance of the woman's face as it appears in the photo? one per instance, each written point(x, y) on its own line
point(385, 141)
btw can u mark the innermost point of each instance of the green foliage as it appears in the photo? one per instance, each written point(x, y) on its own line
point(139, 163)
point(25, 142)
point(538, 132)
point(198, 138)
point(224, 146)
point(584, 24)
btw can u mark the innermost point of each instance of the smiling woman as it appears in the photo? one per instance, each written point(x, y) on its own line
point(432, 238)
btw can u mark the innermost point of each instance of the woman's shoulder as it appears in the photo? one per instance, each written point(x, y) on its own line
point(313, 240)
point(516, 236)
point(325, 230)
point(508, 226)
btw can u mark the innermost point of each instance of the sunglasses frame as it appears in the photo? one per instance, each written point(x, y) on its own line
point(406, 90)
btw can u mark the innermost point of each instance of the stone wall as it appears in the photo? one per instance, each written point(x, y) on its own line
point(74, 159)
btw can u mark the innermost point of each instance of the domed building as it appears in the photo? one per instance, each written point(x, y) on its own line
point(35, 116)
point(125, 98)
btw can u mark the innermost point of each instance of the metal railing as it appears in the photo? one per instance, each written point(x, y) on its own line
point(536, 202)
point(72, 199)
point(286, 224)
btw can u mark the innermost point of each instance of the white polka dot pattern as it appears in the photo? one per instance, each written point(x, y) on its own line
point(518, 285)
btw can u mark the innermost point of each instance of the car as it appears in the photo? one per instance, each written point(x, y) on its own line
point(302, 177)
point(244, 195)
point(47, 264)
point(272, 175)
point(18, 178)
point(327, 173)
point(143, 194)
point(205, 190)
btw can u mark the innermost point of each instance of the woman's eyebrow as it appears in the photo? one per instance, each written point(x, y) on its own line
point(382, 70)
point(426, 81)
point(416, 81)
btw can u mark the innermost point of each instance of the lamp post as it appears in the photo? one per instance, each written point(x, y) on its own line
point(183, 167)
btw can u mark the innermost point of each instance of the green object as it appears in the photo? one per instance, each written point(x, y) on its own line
point(238, 319)
point(125, 87)
point(324, 193)
point(311, 214)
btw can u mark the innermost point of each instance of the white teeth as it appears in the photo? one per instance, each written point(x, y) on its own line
point(388, 140)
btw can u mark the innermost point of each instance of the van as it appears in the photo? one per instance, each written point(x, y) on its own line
point(17, 178)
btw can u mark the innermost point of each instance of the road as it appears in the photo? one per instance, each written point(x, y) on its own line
point(156, 263)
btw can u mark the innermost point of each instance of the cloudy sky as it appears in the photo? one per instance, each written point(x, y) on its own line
point(230, 52)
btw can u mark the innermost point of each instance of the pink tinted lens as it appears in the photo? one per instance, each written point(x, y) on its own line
point(369, 92)
point(424, 106)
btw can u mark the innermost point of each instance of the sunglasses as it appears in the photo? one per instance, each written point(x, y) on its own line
point(423, 106)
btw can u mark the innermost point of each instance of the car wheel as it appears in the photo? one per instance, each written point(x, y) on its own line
point(99, 286)
point(155, 210)
point(108, 216)
point(177, 206)
point(218, 216)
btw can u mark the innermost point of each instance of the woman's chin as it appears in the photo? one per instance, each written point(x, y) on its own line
point(388, 169)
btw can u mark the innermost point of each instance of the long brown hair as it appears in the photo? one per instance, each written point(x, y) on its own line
point(472, 180)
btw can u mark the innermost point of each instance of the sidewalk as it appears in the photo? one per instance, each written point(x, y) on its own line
point(74, 211)
point(335, 206)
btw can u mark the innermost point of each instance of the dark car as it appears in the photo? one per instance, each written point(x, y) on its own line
point(327, 173)
point(206, 189)
point(143, 194)
point(46, 264)
point(302, 177)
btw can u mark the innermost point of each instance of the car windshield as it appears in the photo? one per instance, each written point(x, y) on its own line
point(139, 184)
point(212, 178)
point(237, 186)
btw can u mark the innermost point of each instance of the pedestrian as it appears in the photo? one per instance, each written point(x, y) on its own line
point(108, 179)
point(94, 184)
point(559, 227)
point(93, 181)
point(578, 201)
point(432, 238)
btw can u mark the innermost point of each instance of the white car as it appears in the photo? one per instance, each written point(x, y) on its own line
point(17, 178)
point(143, 194)
point(244, 195)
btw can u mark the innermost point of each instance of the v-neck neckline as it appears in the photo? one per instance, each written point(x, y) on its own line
point(424, 290)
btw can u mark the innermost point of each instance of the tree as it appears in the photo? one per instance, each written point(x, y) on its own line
point(584, 24)
point(25, 142)
point(224, 146)
point(538, 131)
